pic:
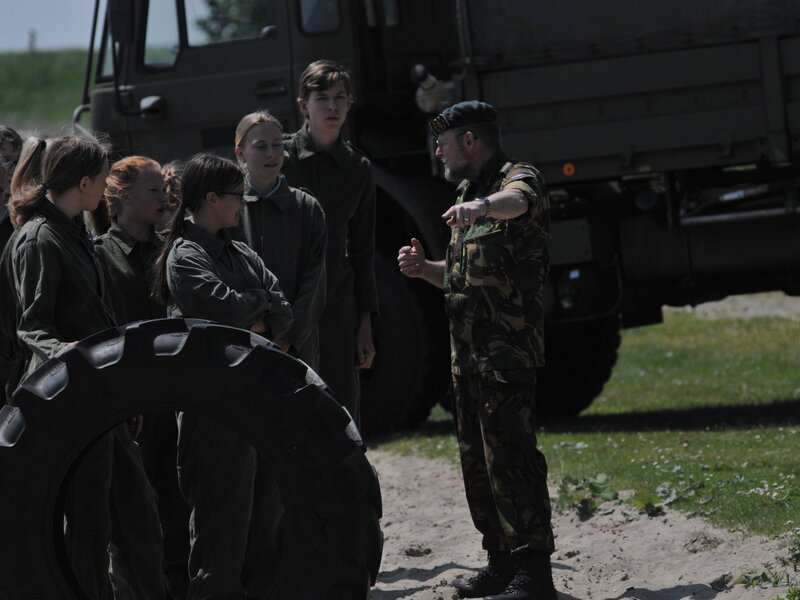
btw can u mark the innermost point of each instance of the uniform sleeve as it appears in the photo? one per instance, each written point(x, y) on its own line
point(279, 316)
point(526, 179)
point(310, 298)
point(361, 236)
point(37, 275)
point(8, 307)
point(197, 291)
point(106, 258)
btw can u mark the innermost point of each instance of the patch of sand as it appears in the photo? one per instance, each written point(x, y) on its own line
point(617, 554)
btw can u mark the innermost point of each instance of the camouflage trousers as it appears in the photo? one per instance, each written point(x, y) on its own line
point(505, 474)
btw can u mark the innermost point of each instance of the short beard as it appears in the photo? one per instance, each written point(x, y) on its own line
point(456, 175)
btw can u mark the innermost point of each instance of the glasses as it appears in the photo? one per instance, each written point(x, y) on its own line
point(239, 195)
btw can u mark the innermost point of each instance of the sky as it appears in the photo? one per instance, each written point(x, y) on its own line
point(58, 23)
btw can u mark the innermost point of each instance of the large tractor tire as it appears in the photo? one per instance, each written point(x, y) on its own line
point(332, 500)
point(580, 359)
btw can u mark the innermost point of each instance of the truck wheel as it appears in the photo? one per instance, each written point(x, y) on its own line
point(580, 359)
point(388, 387)
point(434, 380)
point(332, 500)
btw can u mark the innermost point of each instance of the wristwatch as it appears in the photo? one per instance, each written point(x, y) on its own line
point(485, 201)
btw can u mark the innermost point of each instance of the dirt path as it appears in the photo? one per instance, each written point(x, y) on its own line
point(617, 554)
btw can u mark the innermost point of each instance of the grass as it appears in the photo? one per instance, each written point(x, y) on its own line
point(700, 415)
point(40, 88)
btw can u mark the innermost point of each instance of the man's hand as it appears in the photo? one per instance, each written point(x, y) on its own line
point(259, 327)
point(412, 262)
point(365, 347)
point(464, 215)
point(411, 259)
point(135, 425)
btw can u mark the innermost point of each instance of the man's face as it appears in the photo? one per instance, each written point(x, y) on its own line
point(8, 162)
point(450, 149)
point(327, 109)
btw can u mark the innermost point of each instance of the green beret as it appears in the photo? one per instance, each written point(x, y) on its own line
point(463, 113)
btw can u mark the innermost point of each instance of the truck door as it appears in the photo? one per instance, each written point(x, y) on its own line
point(188, 71)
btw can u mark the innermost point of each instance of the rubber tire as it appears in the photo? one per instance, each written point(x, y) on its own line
point(434, 379)
point(331, 492)
point(388, 387)
point(580, 359)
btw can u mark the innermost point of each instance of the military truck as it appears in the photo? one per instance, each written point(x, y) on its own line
point(668, 133)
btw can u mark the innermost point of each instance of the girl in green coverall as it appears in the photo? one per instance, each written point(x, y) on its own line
point(62, 298)
point(203, 273)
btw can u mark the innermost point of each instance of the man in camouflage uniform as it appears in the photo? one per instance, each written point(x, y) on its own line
point(493, 279)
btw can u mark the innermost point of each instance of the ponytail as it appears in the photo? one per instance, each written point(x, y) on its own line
point(160, 290)
point(24, 204)
point(27, 191)
point(55, 165)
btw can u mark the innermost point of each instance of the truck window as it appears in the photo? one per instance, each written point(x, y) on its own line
point(214, 22)
point(319, 16)
point(106, 68)
point(391, 13)
point(162, 38)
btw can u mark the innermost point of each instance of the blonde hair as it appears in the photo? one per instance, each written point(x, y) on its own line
point(260, 117)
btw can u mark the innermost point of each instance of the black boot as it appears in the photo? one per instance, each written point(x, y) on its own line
point(533, 579)
point(491, 579)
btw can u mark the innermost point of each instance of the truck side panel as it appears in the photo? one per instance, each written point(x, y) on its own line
point(667, 111)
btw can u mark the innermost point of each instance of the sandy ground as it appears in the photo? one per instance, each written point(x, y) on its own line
point(768, 304)
point(617, 554)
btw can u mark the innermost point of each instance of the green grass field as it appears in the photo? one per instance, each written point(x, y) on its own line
point(700, 415)
point(40, 89)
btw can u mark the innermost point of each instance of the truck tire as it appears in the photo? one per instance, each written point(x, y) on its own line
point(330, 491)
point(388, 387)
point(580, 359)
point(434, 378)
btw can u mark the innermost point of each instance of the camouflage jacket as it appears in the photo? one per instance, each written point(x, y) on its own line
point(495, 276)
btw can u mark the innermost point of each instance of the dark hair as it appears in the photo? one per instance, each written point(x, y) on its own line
point(321, 75)
point(10, 136)
point(64, 162)
point(203, 173)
